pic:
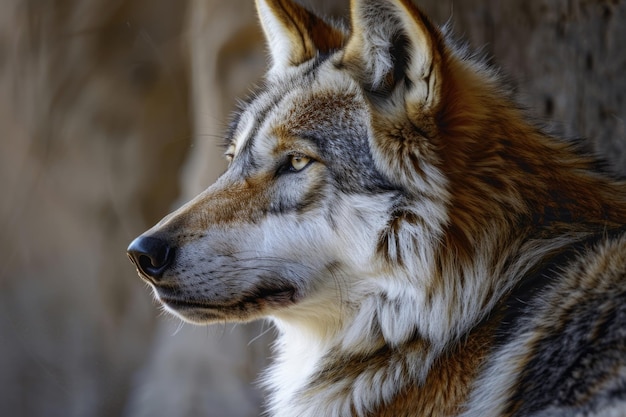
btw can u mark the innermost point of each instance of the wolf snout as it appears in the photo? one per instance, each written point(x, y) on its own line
point(151, 255)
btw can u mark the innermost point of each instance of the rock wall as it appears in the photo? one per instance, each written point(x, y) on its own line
point(110, 115)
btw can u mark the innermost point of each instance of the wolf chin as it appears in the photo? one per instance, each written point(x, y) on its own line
point(422, 249)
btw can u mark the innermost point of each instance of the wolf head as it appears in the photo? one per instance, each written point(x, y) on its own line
point(366, 177)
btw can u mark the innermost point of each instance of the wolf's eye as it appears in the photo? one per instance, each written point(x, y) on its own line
point(299, 162)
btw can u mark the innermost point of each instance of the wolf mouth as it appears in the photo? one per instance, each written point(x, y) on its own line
point(250, 300)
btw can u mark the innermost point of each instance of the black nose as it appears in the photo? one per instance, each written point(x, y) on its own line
point(151, 255)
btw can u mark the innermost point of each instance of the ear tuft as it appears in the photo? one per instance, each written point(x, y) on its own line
point(294, 34)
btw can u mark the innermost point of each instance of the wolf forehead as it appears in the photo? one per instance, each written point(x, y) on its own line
point(316, 111)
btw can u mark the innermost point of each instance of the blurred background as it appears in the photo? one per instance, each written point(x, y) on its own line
point(111, 113)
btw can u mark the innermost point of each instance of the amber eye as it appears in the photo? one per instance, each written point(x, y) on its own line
point(299, 162)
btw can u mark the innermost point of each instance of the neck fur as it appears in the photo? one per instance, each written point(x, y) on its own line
point(394, 338)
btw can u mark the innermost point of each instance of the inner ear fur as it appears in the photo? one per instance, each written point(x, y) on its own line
point(393, 44)
point(294, 34)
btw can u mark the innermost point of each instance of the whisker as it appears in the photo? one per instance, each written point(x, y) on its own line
point(263, 333)
point(180, 326)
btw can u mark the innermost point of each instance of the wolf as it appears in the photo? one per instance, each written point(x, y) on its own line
point(422, 248)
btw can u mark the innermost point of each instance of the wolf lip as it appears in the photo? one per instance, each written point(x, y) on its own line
point(277, 296)
point(184, 304)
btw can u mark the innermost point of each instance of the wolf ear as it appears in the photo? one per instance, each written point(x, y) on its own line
point(294, 34)
point(393, 44)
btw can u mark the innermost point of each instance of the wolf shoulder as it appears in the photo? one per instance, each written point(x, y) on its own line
point(565, 352)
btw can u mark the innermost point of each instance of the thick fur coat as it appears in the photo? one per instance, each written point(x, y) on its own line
point(422, 249)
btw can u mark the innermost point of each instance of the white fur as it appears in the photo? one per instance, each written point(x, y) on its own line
point(277, 37)
point(376, 23)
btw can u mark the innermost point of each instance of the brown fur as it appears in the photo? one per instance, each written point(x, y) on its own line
point(444, 391)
